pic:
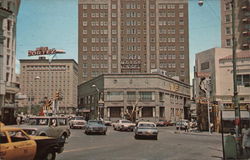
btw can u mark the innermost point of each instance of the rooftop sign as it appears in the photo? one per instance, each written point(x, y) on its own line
point(44, 51)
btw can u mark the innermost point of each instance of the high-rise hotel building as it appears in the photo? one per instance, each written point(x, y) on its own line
point(41, 79)
point(242, 24)
point(128, 36)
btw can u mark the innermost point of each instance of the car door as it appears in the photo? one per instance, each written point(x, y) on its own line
point(22, 146)
point(7, 151)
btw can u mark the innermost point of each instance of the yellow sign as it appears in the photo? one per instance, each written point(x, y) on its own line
point(174, 87)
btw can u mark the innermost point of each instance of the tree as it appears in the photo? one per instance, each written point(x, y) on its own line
point(132, 115)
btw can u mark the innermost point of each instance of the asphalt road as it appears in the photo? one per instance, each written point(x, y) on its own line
point(122, 146)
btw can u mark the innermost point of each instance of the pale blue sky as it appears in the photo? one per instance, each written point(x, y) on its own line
point(53, 23)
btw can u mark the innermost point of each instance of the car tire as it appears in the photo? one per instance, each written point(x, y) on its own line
point(136, 137)
point(155, 137)
point(50, 155)
point(86, 132)
point(63, 136)
point(104, 133)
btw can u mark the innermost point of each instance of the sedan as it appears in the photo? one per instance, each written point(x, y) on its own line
point(146, 129)
point(95, 126)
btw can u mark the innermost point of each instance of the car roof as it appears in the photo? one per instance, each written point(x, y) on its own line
point(146, 123)
point(8, 128)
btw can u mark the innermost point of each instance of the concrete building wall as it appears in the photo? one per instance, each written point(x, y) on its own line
point(167, 97)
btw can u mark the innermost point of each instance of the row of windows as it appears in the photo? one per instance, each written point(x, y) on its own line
point(170, 65)
point(132, 23)
point(131, 6)
point(136, 48)
point(168, 56)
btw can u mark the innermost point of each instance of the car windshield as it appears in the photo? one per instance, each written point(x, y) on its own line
point(62, 121)
point(146, 125)
point(79, 118)
point(95, 122)
point(126, 122)
point(39, 121)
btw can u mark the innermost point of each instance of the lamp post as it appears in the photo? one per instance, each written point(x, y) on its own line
point(30, 103)
point(98, 92)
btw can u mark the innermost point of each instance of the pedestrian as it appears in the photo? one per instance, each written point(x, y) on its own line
point(18, 120)
point(246, 140)
point(186, 126)
point(211, 127)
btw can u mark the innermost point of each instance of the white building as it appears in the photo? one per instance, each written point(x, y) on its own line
point(8, 85)
point(216, 63)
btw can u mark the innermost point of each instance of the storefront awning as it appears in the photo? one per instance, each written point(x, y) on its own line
point(230, 115)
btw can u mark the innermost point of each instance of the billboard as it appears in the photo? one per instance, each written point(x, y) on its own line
point(44, 51)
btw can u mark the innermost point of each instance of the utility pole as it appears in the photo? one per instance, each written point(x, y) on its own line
point(235, 93)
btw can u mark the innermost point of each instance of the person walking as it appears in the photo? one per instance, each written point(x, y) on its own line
point(246, 140)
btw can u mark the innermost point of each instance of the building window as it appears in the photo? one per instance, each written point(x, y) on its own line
point(131, 96)
point(181, 6)
point(146, 96)
point(8, 42)
point(228, 42)
point(8, 25)
point(243, 80)
point(228, 18)
point(228, 30)
point(85, 6)
point(147, 112)
point(114, 96)
point(115, 111)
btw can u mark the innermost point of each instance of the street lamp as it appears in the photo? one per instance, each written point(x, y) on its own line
point(98, 92)
point(30, 104)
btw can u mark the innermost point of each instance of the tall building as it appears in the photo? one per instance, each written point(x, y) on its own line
point(216, 63)
point(242, 24)
point(8, 85)
point(40, 78)
point(122, 36)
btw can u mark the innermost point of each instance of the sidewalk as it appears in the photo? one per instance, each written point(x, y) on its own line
point(203, 133)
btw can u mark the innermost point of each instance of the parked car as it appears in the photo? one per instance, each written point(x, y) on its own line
point(146, 129)
point(123, 125)
point(17, 144)
point(181, 124)
point(56, 127)
point(161, 123)
point(95, 126)
point(77, 122)
point(108, 123)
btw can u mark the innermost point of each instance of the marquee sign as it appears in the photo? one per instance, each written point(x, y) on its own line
point(44, 51)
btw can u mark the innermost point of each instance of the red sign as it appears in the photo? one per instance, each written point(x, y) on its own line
point(44, 51)
point(202, 74)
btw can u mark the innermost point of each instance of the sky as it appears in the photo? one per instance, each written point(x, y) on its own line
point(54, 23)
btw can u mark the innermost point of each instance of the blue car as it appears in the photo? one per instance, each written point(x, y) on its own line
point(95, 126)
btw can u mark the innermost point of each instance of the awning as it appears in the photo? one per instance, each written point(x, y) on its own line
point(230, 115)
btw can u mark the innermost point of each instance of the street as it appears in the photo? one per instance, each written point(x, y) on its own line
point(122, 146)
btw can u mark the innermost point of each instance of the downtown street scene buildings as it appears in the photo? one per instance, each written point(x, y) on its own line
point(133, 64)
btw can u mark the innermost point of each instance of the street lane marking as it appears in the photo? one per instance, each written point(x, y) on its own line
point(82, 149)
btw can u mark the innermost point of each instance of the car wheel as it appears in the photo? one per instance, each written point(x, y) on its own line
point(104, 133)
point(86, 132)
point(64, 136)
point(155, 137)
point(136, 137)
point(50, 155)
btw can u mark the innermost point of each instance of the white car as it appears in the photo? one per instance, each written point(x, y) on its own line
point(77, 122)
point(181, 124)
point(146, 129)
point(123, 125)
